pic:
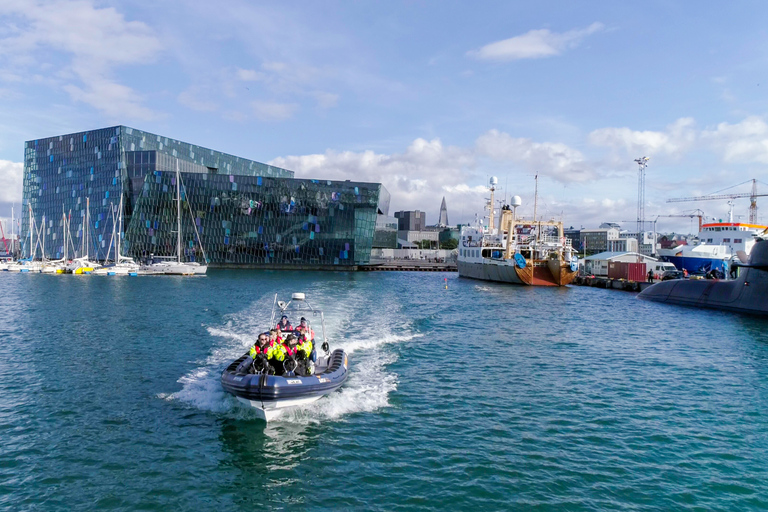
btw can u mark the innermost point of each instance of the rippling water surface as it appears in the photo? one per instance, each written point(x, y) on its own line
point(478, 396)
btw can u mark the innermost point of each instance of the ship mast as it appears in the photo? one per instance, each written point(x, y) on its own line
point(492, 185)
point(535, 206)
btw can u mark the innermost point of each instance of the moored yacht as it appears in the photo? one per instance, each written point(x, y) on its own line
point(173, 265)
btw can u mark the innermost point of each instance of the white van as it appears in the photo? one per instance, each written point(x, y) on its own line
point(660, 266)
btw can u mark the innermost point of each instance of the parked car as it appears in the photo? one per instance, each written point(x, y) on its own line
point(671, 274)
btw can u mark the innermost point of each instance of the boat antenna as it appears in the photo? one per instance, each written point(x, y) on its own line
point(536, 203)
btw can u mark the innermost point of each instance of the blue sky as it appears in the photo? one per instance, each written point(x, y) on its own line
point(429, 98)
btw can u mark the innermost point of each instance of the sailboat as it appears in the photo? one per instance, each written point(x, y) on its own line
point(29, 264)
point(83, 265)
point(6, 260)
point(122, 266)
point(178, 267)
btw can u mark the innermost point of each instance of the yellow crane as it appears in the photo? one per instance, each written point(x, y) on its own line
point(730, 197)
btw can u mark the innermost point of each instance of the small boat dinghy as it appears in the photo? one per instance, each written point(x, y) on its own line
point(254, 383)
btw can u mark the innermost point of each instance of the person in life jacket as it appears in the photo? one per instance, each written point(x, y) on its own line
point(260, 353)
point(274, 336)
point(305, 329)
point(299, 350)
point(284, 324)
point(262, 346)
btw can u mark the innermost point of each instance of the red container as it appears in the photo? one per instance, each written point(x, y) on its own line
point(637, 272)
point(618, 270)
point(628, 271)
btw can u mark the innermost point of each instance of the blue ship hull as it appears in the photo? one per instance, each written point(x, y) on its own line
point(696, 265)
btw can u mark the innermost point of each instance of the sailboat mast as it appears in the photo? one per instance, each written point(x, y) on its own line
point(31, 223)
point(64, 231)
point(13, 241)
point(42, 241)
point(87, 221)
point(178, 214)
point(119, 230)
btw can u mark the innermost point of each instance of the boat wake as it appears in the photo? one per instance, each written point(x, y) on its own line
point(367, 388)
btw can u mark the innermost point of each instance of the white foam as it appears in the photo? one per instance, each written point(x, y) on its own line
point(367, 388)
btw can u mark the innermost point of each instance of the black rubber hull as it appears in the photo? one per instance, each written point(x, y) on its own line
point(271, 388)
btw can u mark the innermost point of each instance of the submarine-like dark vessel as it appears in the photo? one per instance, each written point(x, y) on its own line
point(748, 293)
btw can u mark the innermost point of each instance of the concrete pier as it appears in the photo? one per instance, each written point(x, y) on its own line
point(408, 266)
point(612, 284)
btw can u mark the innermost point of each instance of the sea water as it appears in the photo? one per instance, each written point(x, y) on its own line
point(478, 396)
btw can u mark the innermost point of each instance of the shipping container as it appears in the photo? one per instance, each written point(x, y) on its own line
point(637, 272)
point(628, 271)
point(618, 270)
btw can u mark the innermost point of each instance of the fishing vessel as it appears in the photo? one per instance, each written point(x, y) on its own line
point(174, 265)
point(717, 247)
point(251, 382)
point(519, 251)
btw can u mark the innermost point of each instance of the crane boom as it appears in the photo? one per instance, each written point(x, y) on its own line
point(752, 200)
point(706, 198)
point(698, 213)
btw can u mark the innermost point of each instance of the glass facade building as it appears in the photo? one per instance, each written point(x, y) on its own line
point(245, 213)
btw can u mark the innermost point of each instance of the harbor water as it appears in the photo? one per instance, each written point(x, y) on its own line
point(479, 396)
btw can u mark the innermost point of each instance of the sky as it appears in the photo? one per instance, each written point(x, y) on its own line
point(429, 98)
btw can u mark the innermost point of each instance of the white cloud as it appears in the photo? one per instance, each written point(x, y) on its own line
point(678, 137)
point(273, 111)
point(249, 75)
point(11, 181)
point(744, 142)
point(96, 39)
point(420, 175)
point(555, 160)
point(534, 44)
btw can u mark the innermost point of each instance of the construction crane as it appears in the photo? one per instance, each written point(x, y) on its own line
point(730, 197)
point(696, 213)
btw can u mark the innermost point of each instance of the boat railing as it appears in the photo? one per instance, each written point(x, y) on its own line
point(546, 240)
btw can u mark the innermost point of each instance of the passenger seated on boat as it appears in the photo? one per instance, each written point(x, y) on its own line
point(261, 346)
point(304, 329)
point(260, 354)
point(284, 324)
point(298, 351)
point(274, 336)
point(290, 344)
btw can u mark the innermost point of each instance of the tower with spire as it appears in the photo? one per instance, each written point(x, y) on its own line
point(443, 219)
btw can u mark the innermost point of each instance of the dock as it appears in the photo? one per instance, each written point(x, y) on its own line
point(611, 284)
point(408, 266)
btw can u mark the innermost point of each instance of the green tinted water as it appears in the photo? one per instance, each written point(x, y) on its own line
point(479, 396)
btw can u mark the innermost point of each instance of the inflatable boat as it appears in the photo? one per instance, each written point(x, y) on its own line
point(269, 394)
point(253, 383)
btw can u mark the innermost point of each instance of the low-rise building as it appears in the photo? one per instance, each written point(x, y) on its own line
point(597, 264)
point(596, 240)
